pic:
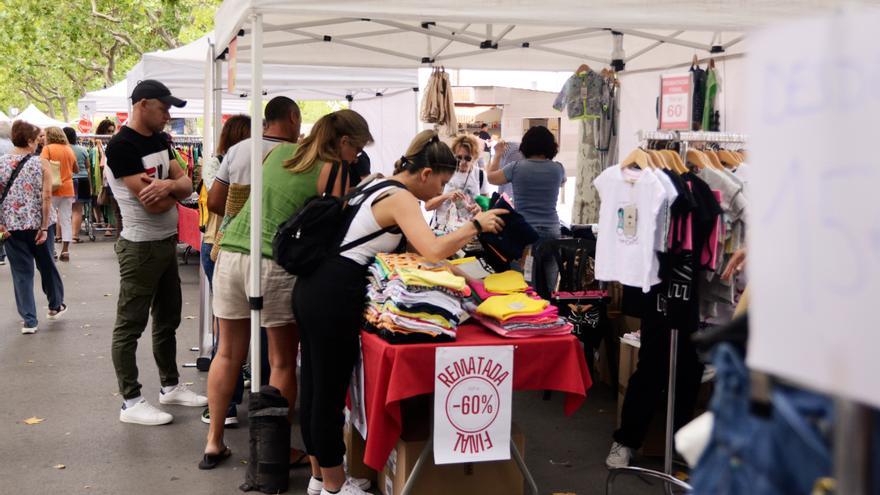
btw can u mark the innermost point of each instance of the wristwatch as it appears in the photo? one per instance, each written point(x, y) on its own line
point(477, 226)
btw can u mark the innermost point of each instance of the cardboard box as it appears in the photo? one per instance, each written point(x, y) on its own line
point(478, 478)
point(355, 446)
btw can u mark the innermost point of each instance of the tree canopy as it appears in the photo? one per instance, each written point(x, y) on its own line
point(54, 52)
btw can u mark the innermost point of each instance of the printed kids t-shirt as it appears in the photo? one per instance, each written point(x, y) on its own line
point(625, 248)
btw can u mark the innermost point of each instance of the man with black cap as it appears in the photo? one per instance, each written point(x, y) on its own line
point(147, 181)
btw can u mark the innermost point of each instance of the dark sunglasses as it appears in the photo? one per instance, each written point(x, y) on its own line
point(464, 158)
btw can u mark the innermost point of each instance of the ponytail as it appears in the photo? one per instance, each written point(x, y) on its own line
point(426, 151)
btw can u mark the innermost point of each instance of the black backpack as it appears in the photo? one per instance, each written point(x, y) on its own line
point(315, 232)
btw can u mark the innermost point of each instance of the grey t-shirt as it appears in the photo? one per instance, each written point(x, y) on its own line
point(536, 190)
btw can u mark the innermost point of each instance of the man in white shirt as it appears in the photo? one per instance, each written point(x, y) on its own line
point(283, 122)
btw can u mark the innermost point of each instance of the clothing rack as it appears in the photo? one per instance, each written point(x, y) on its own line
point(684, 139)
point(176, 139)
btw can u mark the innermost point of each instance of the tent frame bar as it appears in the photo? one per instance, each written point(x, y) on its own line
point(651, 47)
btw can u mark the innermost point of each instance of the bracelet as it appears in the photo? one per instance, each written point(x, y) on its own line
point(477, 226)
point(44, 230)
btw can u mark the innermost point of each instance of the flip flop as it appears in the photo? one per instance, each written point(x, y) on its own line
point(210, 461)
point(64, 256)
point(299, 461)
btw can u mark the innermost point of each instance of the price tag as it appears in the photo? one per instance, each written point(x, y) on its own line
point(473, 388)
point(675, 102)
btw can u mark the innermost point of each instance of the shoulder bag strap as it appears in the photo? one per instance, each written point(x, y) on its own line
point(331, 179)
point(12, 176)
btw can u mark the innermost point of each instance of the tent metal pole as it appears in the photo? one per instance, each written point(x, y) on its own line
point(448, 42)
point(256, 297)
point(504, 32)
point(651, 47)
point(362, 46)
point(366, 34)
point(218, 102)
point(658, 37)
point(733, 42)
point(557, 37)
point(421, 30)
point(579, 56)
point(297, 25)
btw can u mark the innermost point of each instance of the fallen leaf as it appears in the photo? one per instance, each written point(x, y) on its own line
point(87, 325)
point(115, 394)
point(189, 317)
point(100, 357)
point(106, 295)
point(34, 421)
point(86, 334)
point(187, 383)
point(174, 478)
point(67, 434)
point(30, 361)
point(59, 466)
point(244, 461)
point(560, 463)
point(87, 487)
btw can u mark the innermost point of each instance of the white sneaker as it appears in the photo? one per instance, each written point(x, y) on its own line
point(349, 488)
point(144, 413)
point(55, 314)
point(26, 330)
point(316, 487)
point(619, 457)
point(181, 395)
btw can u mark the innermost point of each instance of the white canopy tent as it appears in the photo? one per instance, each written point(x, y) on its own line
point(4, 117)
point(116, 99)
point(186, 69)
point(34, 116)
point(551, 35)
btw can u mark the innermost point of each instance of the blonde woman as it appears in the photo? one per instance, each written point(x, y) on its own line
point(57, 149)
point(292, 173)
point(467, 181)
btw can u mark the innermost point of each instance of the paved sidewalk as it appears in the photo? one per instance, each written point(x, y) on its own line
point(64, 375)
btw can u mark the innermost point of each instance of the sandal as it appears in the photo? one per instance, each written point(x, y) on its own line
point(76, 240)
point(298, 459)
point(210, 461)
point(64, 256)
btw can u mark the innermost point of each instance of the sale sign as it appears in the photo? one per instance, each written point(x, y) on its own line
point(473, 388)
point(675, 102)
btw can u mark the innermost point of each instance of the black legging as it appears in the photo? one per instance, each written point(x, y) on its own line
point(329, 306)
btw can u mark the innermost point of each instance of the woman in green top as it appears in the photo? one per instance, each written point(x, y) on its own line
point(336, 137)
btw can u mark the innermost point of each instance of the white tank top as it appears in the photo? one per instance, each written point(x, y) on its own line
point(363, 224)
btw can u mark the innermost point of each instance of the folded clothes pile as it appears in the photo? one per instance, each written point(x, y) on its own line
point(410, 300)
point(505, 304)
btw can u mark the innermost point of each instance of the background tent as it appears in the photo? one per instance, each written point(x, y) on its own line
point(33, 115)
point(185, 71)
point(4, 117)
point(115, 99)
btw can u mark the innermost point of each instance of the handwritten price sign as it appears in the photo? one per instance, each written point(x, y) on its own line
point(814, 225)
point(472, 403)
point(675, 102)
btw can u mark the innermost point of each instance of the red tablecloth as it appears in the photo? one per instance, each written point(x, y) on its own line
point(393, 373)
point(188, 227)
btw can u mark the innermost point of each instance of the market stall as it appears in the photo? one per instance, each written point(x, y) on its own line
point(559, 36)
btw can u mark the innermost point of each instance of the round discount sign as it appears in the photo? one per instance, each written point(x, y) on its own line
point(472, 404)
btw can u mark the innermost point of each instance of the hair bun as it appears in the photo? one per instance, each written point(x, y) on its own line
point(435, 138)
point(403, 162)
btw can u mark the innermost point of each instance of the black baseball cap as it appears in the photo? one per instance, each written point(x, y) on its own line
point(153, 89)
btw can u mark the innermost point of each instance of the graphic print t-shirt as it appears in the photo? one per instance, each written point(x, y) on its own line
point(625, 248)
point(130, 153)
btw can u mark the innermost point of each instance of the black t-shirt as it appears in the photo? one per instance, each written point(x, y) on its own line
point(486, 137)
point(130, 153)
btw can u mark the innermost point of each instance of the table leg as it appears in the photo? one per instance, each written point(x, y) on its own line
point(417, 468)
point(523, 468)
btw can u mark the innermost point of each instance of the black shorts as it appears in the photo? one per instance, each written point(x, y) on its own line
point(83, 188)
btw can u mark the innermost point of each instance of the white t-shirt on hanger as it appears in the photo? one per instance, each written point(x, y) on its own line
point(625, 248)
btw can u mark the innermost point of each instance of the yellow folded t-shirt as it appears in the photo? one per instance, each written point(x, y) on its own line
point(507, 282)
point(431, 279)
point(510, 305)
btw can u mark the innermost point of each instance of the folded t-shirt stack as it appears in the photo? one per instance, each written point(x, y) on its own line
point(411, 300)
point(505, 304)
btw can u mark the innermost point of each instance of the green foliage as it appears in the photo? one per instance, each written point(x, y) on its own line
point(314, 110)
point(54, 52)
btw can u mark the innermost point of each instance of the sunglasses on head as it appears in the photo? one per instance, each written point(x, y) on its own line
point(464, 158)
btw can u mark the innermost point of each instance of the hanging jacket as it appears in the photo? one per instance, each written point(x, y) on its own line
point(581, 96)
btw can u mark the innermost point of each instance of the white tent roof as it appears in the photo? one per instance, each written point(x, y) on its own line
point(183, 71)
point(34, 116)
point(497, 34)
point(115, 99)
point(4, 117)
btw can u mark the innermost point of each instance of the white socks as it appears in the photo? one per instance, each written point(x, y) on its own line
point(165, 390)
point(132, 402)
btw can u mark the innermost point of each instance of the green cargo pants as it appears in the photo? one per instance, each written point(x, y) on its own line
point(149, 285)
